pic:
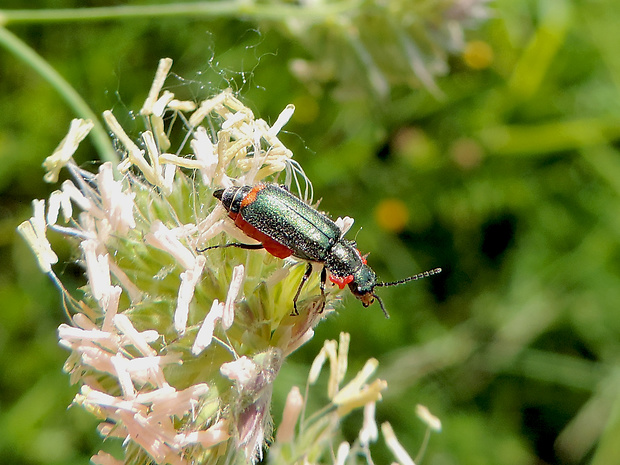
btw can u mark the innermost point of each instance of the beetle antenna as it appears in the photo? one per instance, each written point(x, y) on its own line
point(387, 315)
point(424, 274)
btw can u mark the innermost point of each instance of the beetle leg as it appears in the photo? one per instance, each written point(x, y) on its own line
point(307, 274)
point(323, 280)
point(233, 244)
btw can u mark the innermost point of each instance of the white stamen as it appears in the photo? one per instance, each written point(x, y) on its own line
point(397, 449)
point(231, 102)
point(82, 321)
point(243, 370)
point(205, 333)
point(163, 68)
point(167, 401)
point(427, 417)
point(124, 378)
point(344, 223)
point(208, 438)
point(98, 272)
point(134, 154)
point(153, 438)
point(78, 130)
point(162, 102)
point(91, 228)
point(234, 119)
point(103, 458)
point(205, 154)
point(163, 238)
point(96, 357)
point(368, 393)
point(207, 106)
point(148, 369)
point(182, 105)
point(76, 196)
point(234, 232)
point(33, 231)
point(317, 365)
point(152, 151)
point(56, 199)
point(343, 351)
point(159, 132)
point(163, 394)
point(343, 453)
point(111, 308)
point(95, 397)
point(38, 219)
point(353, 388)
point(137, 340)
point(331, 350)
point(369, 432)
point(292, 409)
point(150, 335)
point(211, 226)
point(236, 283)
point(117, 206)
point(283, 118)
point(183, 162)
point(189, 279)
point(185, 230)
point(169, 172)
point(71, 334)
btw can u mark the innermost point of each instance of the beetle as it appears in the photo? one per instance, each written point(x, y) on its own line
point(284, 225)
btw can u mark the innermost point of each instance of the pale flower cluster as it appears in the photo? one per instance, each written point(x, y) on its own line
point(176, 351)
point(316, 434)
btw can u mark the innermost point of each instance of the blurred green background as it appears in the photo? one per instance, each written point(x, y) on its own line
point(503, 169)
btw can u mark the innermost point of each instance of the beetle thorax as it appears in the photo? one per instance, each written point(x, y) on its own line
point(345, 260)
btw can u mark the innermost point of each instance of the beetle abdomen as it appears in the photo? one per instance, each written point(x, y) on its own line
point(273, 212)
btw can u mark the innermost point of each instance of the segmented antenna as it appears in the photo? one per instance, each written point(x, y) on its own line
point(424, 274)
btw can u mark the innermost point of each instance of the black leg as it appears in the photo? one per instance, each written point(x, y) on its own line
point(307, 274)
point(323, 280)
point(233, 244)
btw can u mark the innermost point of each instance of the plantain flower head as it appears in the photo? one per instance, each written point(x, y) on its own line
point(176, 350)
point(176, 343)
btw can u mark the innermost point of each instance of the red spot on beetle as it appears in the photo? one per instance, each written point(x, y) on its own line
point(251, 196)
point(341, 282)
point(273, 247)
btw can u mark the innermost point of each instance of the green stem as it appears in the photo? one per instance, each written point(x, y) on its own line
point(98, 134)
point(235, 8)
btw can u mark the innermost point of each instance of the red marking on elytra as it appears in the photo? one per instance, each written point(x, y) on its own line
point(250, 197)
point(273, 247)
point(341, 282)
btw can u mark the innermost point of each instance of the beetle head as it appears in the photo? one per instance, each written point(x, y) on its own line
point(363, 286)
point(232, 197)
